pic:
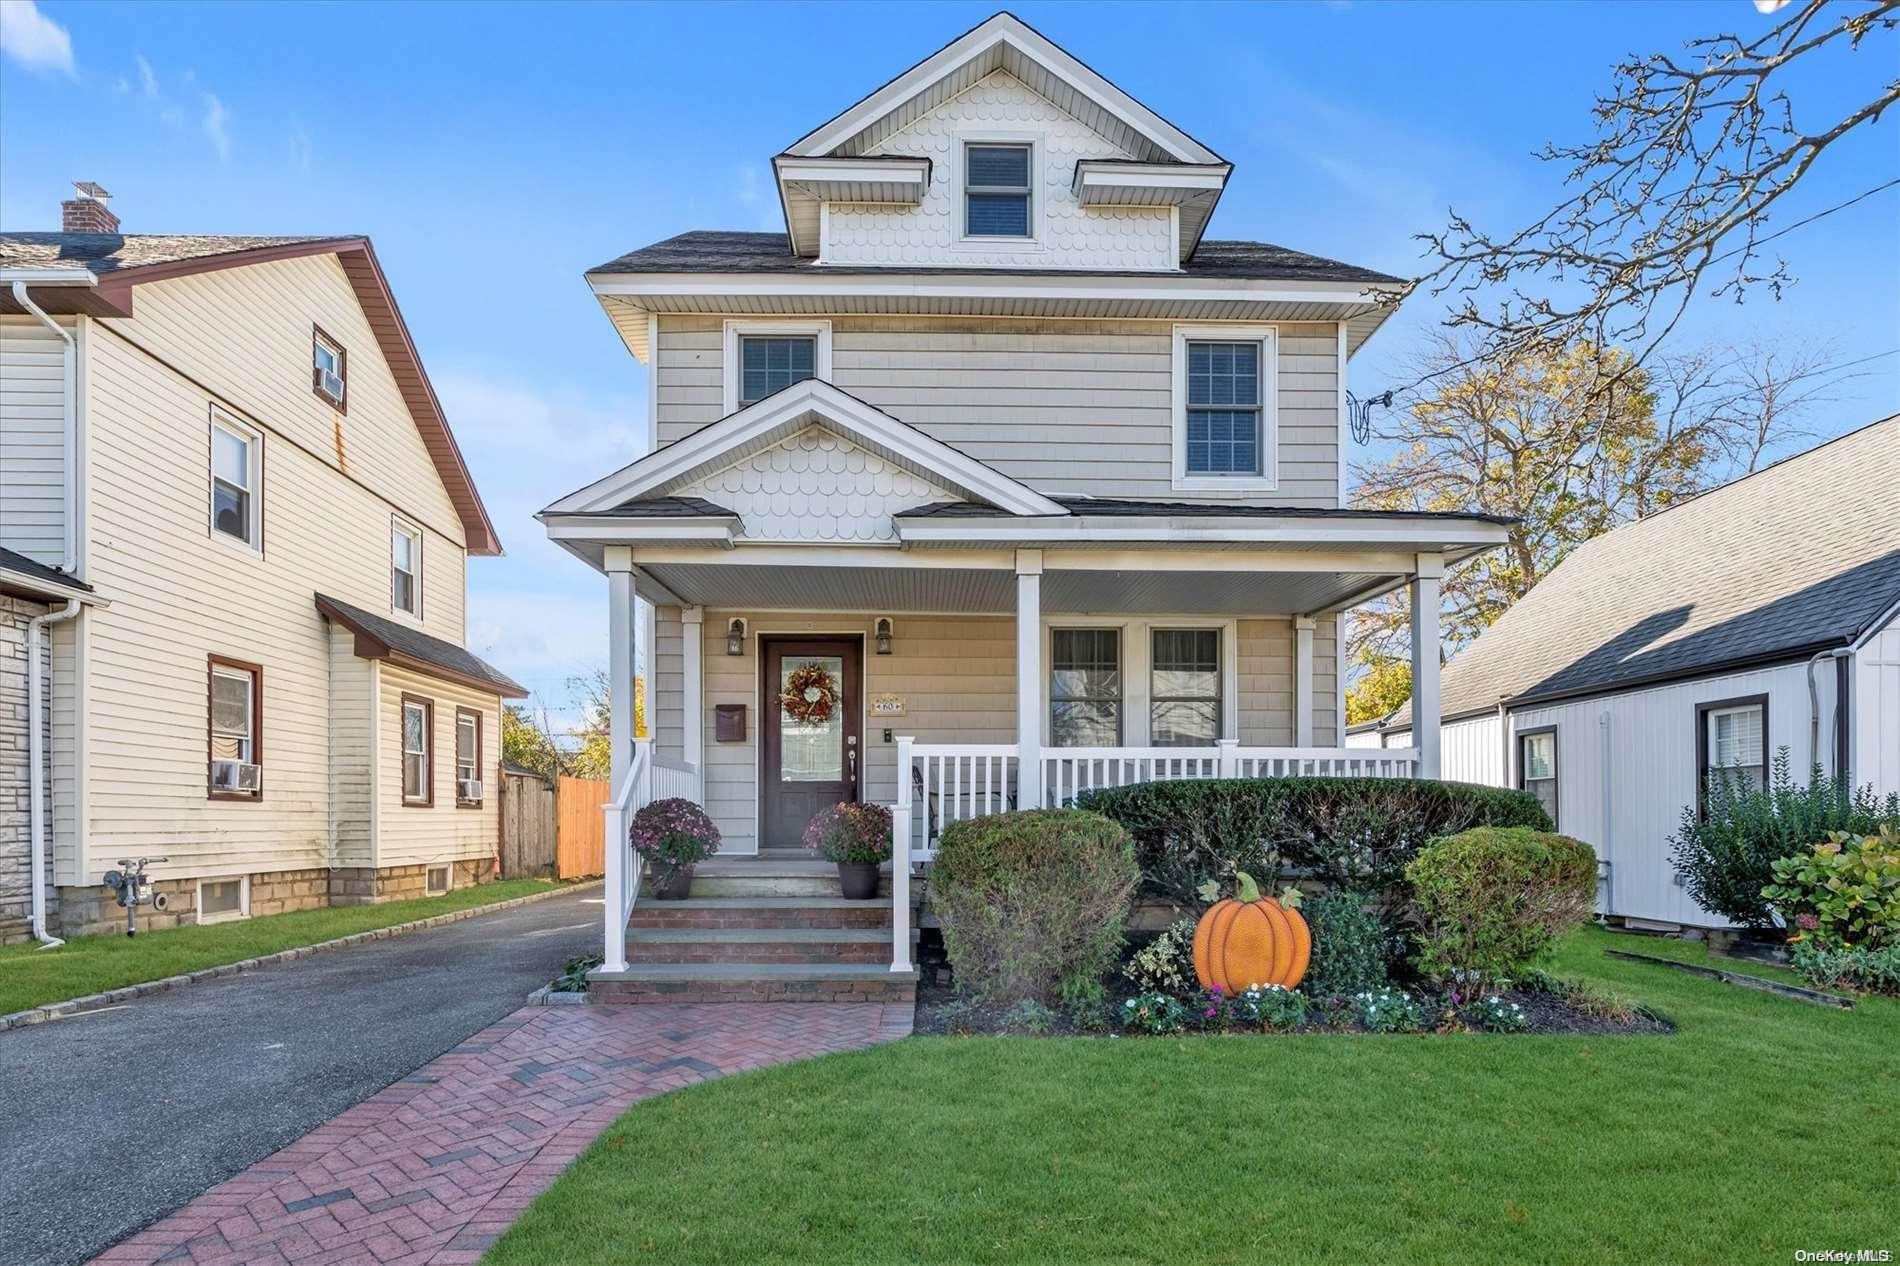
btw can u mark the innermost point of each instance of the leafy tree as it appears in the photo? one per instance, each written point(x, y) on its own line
point(528, 741)
point(1384, 683)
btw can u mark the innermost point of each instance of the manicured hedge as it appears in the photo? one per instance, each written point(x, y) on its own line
point(1494, 900)
point(1358, 832)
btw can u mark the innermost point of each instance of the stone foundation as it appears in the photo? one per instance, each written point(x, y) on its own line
point(16, 868)
point(362, 886)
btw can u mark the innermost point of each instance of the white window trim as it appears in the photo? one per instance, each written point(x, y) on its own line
point(960, 239)
point(735, 330)
point(448, 882)
point(244, 899)
point(1268, 336)
point(254, 440)
point(1137, 637)
point(400, 525)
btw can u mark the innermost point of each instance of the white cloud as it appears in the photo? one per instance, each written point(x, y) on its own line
point(33, 39)
point(148, 79)
point(217, 125)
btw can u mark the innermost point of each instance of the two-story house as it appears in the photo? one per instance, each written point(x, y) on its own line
point(233, 532)
point(993, 477)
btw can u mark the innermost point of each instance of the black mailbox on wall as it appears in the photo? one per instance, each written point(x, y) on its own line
point(729, 722)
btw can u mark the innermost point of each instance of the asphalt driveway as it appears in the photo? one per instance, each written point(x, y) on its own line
point(112, 1119)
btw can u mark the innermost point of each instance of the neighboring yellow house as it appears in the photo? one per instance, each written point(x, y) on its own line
point(233, 532)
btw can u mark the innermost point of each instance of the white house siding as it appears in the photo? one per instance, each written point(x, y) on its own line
point(352, 752)
point(178, 593)
point(1068, 407)
point(1471, 751)
point(32, 439)
point(1876, 704)
point(411, 835)
point(1001, 108)
point(816, 486)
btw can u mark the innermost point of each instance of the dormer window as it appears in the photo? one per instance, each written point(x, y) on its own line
point(996, 190)
point(329, 368)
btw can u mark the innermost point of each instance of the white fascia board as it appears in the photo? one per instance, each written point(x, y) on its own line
point(1086, 528)
point(790, 408)
point(619, 529)
point(1878, 627)
point(1003, 28)
point(989, 285)
point(858, 171)
point(1186, 182)
point(49, 277)
point(25, 582)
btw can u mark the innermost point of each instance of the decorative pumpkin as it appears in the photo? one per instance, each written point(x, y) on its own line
point(1252, 940)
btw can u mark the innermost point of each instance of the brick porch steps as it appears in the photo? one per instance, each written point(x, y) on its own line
point(647, 946)
point(753, 982)
point(760, 912)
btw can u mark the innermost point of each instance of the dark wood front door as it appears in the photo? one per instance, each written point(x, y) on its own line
point(809, 764)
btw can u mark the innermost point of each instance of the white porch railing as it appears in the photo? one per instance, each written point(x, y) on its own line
point(645, 781)
point(941, 783)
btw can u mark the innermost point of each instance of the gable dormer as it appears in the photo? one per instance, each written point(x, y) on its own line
point(999, 151)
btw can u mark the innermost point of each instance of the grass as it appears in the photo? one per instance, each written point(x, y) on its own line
point(1763, 1126)
point(31, 976)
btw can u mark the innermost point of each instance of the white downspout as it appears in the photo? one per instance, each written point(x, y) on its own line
point(1814, 706)
point(1609, 823)
point(69, 543)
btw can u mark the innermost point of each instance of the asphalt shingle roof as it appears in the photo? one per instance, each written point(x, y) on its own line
point(721, 251)
point(1795, 558)
point(413, 644)
point(671, 508)
point(15, 562)
point(108, 252)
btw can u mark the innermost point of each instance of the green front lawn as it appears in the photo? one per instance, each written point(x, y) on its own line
point(31, 976)
point(1763, 1126)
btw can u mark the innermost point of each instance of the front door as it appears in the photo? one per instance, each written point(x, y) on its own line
point(811, 718)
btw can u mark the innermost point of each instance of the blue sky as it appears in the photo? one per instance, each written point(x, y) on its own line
point(494, 152)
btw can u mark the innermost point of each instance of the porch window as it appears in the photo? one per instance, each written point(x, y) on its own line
point(1184, 694)
point(1223, 420)
point(1537, 767)
point(771, 364)
point(1085, 688)
point(996, 191)
point(1733, 744)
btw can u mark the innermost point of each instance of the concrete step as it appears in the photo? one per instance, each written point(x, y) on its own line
point(648, 946)
point(752, 982)
point(770, 877)
point(760, 912)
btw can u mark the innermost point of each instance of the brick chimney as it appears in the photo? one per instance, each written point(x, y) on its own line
point(86, 211)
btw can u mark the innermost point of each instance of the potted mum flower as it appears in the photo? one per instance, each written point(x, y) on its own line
point(858, 838)
point(671, 836)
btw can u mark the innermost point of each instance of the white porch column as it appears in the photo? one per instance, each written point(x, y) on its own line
point(622, 621)
point(693, 706)
point(1425, 707)
point(1029, 678)
point(1302, 681)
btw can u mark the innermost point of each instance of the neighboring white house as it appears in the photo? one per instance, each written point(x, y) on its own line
point(1759, 618)
point(1035, 484)
point(233, 528)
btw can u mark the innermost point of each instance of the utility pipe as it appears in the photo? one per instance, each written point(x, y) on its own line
point(1814, 706)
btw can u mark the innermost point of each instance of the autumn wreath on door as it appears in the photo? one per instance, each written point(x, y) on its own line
point(811, 694)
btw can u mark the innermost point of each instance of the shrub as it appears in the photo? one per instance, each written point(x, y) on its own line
point(1495, 899)
point(1349, 945)
point(851, 833)
point(1828, 966)
point(1726, 854)
point(1842, 892)
point(1165, 964)
point(1389, 1011)
point(1032, 904)
point(672, 834)
point(1029, 1017)
point(1353, 831)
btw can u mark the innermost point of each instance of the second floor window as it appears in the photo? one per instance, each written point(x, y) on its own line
point(329, 368)
point(418, 751)
point(996, 191)
point(405, 568)
point(1223, 409)
point(1085, 687)
point(1537, 768)
point(236, 467)
point(1184, 700)
point(769, 364)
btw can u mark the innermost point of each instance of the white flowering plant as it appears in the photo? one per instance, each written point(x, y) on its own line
point(1388, 1010)
point(1495, 1015)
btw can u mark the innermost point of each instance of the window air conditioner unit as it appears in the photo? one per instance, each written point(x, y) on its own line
point(232, 775)
point(330, 385)
point(469, 788)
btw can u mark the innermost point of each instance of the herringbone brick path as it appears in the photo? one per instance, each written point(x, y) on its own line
point(436, 1166)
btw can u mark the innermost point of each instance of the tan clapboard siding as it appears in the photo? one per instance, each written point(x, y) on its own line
point(1068, 407)
point(352, 752)
point(65, 642)
point(178, 593)
point(409, 835)
point(666, 710)
point(32, 440)
point(246, 332)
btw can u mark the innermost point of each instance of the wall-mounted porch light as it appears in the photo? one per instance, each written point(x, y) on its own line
point(883, 631)
point(735, 637)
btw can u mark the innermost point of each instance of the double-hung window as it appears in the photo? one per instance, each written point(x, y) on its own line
point(1224, 414)
point(1184, 698)
point(770, 363)
point(1537, 767)
point(418, 751)
point(468, 759)
point(1733, 744)
point(237, 467)
point(329, 368)
point(996, 190)
point(405, 568)
point(235, 706)
point(1085, 687)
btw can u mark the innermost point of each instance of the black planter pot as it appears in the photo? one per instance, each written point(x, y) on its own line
point(858, 879)
point(676, 886)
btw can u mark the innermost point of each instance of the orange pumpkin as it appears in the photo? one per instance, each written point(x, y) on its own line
point(1251, 940)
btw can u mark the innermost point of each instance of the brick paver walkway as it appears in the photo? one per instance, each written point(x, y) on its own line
point(434, 1167)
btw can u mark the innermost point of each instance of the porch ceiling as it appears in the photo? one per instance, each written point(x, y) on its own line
point(1066, 590)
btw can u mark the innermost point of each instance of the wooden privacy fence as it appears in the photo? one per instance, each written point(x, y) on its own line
point(551, 830)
